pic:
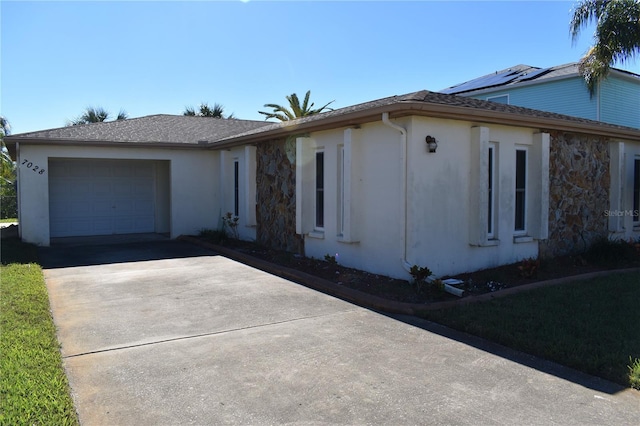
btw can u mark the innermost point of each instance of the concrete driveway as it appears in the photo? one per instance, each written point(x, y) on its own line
point(166, 333)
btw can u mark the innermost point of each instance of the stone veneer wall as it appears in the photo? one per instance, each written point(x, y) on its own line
point(578, 193)
point(276, 197)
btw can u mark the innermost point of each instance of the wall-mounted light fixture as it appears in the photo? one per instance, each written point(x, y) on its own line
point(432, 143)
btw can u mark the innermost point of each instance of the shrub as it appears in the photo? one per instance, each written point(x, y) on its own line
point(420, 276)
point(529, 267)
point(608, 252)
point(216, 236)
point(230, 225)
point(634, 373)
point(331, 259)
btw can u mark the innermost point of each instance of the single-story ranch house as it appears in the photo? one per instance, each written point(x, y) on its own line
point(451, 183)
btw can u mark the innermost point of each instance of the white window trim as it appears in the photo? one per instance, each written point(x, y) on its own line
point(341, 191)
point(236, 187)
point(492, 201)
point(521, 232)
point(315, 189)
point(479, 187)
point(635, 220)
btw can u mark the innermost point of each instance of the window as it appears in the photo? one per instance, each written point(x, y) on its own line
point(236, 188)
point(341, 183)
point(502, 99)
point(636, 192)
point(521, 189)
point(490, 191)
point(319, 189)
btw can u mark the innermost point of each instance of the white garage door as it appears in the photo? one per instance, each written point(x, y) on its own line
point(101, 197)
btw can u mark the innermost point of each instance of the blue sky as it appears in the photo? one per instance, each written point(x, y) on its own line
point(158, 57)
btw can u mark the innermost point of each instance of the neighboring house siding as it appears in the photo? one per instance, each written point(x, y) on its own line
point(568, 96)
point(579, 193)
point(276, 196)
point(620, 102)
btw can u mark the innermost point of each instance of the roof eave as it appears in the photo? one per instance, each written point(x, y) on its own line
point(11, 141)
point(436, 111)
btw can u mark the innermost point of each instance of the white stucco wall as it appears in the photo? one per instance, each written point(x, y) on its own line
point(246, 158)
point(191, 177)
point(439, 198)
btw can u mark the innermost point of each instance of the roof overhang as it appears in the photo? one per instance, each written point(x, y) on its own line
point(435, 110)
point(12, 143)
point(404, 108)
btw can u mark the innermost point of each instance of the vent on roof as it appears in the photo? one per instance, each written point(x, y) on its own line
point(203, 142)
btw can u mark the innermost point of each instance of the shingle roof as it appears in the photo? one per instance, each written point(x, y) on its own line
point(427, 103)
point(189, 131)
point(160, 128)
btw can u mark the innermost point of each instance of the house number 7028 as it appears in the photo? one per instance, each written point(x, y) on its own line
point(31, 166)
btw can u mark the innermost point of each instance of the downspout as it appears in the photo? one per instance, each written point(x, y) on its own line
point(403, 142)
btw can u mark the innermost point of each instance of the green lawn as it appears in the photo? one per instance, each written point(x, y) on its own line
point(592, 326)
point(33, 387)
point(8, 220)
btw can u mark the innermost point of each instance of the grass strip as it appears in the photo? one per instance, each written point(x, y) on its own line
point(33, 386)
point(592, 326)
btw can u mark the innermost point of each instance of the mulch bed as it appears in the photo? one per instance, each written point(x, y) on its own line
point(475, 283)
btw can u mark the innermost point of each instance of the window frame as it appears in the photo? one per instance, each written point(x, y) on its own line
point(319, 192)
point(236, 187)
point(636, 192)
point(520, 213)
point(491, 190)
point(493, 99)
point(341, 190)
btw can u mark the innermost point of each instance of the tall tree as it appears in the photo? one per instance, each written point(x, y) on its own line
point(295, 109)
point(96, 115)
point(5, 130)
point(8, 206)
point(617, 35)
point(217, 111)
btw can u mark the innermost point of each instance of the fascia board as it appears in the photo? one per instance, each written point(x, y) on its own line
point(71, 142)
point(436, 111)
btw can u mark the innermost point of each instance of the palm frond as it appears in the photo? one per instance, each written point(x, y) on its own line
point(122, 115)
point(295, 110)
point(617, 35)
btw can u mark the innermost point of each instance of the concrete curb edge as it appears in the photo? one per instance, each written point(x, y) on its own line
point(379, 303)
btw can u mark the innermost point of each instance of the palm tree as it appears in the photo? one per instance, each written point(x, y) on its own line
point(8, 207)
point(206, 111)
point(617, 35)
point(5, 130)
point(96, 115)
point(295, 110)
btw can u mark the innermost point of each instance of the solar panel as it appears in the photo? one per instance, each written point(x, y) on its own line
point(535, 74)
point(497, 79)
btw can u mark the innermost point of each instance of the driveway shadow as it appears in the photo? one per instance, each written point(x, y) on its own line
point(549, 367)
point(64, 256)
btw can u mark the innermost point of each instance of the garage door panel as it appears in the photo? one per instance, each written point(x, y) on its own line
point(143, 207)
point(76, 170)
point(101, 197)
